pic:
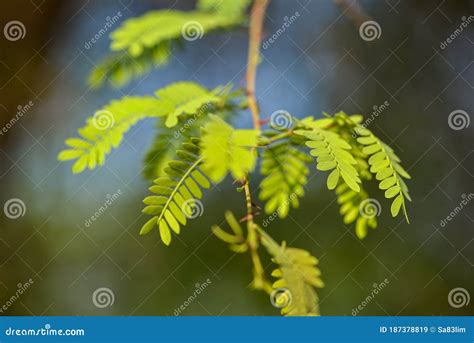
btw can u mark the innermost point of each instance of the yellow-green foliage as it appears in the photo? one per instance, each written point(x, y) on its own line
point(225, 150)
point(385, 165)
point(176, 194)
point(145, 42)
point(297, 275)
point(285, 169)
point(355, 207)
point(349, 152)
point(120, 67)
point(234, 8)
point(332, 153)
point(236, 239)
point(105, 130)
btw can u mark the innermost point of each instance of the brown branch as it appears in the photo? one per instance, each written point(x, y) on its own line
point(255, 35)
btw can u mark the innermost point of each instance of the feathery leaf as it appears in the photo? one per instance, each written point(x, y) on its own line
point(144, 42)
point(297, 276)
point(385, 165)
point(177, 194)
point(332, 153)
point(359, 208)
point(105, 130)
point(285, 171)
point(225, 149)
point(234, 8)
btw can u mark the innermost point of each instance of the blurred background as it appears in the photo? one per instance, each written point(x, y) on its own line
point(320, 63)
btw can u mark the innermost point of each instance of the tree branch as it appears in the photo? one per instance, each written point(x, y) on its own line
point(255, 35)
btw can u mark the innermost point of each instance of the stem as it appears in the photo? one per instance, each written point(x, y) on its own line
point(255, 34)
point(252, 241)
point(275, 138)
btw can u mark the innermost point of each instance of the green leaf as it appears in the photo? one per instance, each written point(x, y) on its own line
point(234, 8)
point(225, 150)
point(177, 193)
point(385, 164)
point(185, 98)
point(105, 130)
point(285, 170)
point(332, 153)
point(236, 240)
point(350, 208)
point(145, 42)
point(333, 179)
point(298, 276)
point(396, 205)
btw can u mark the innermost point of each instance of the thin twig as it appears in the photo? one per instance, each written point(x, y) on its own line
point(255, 35)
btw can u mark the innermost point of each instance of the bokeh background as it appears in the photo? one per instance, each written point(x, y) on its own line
point(320, 63)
